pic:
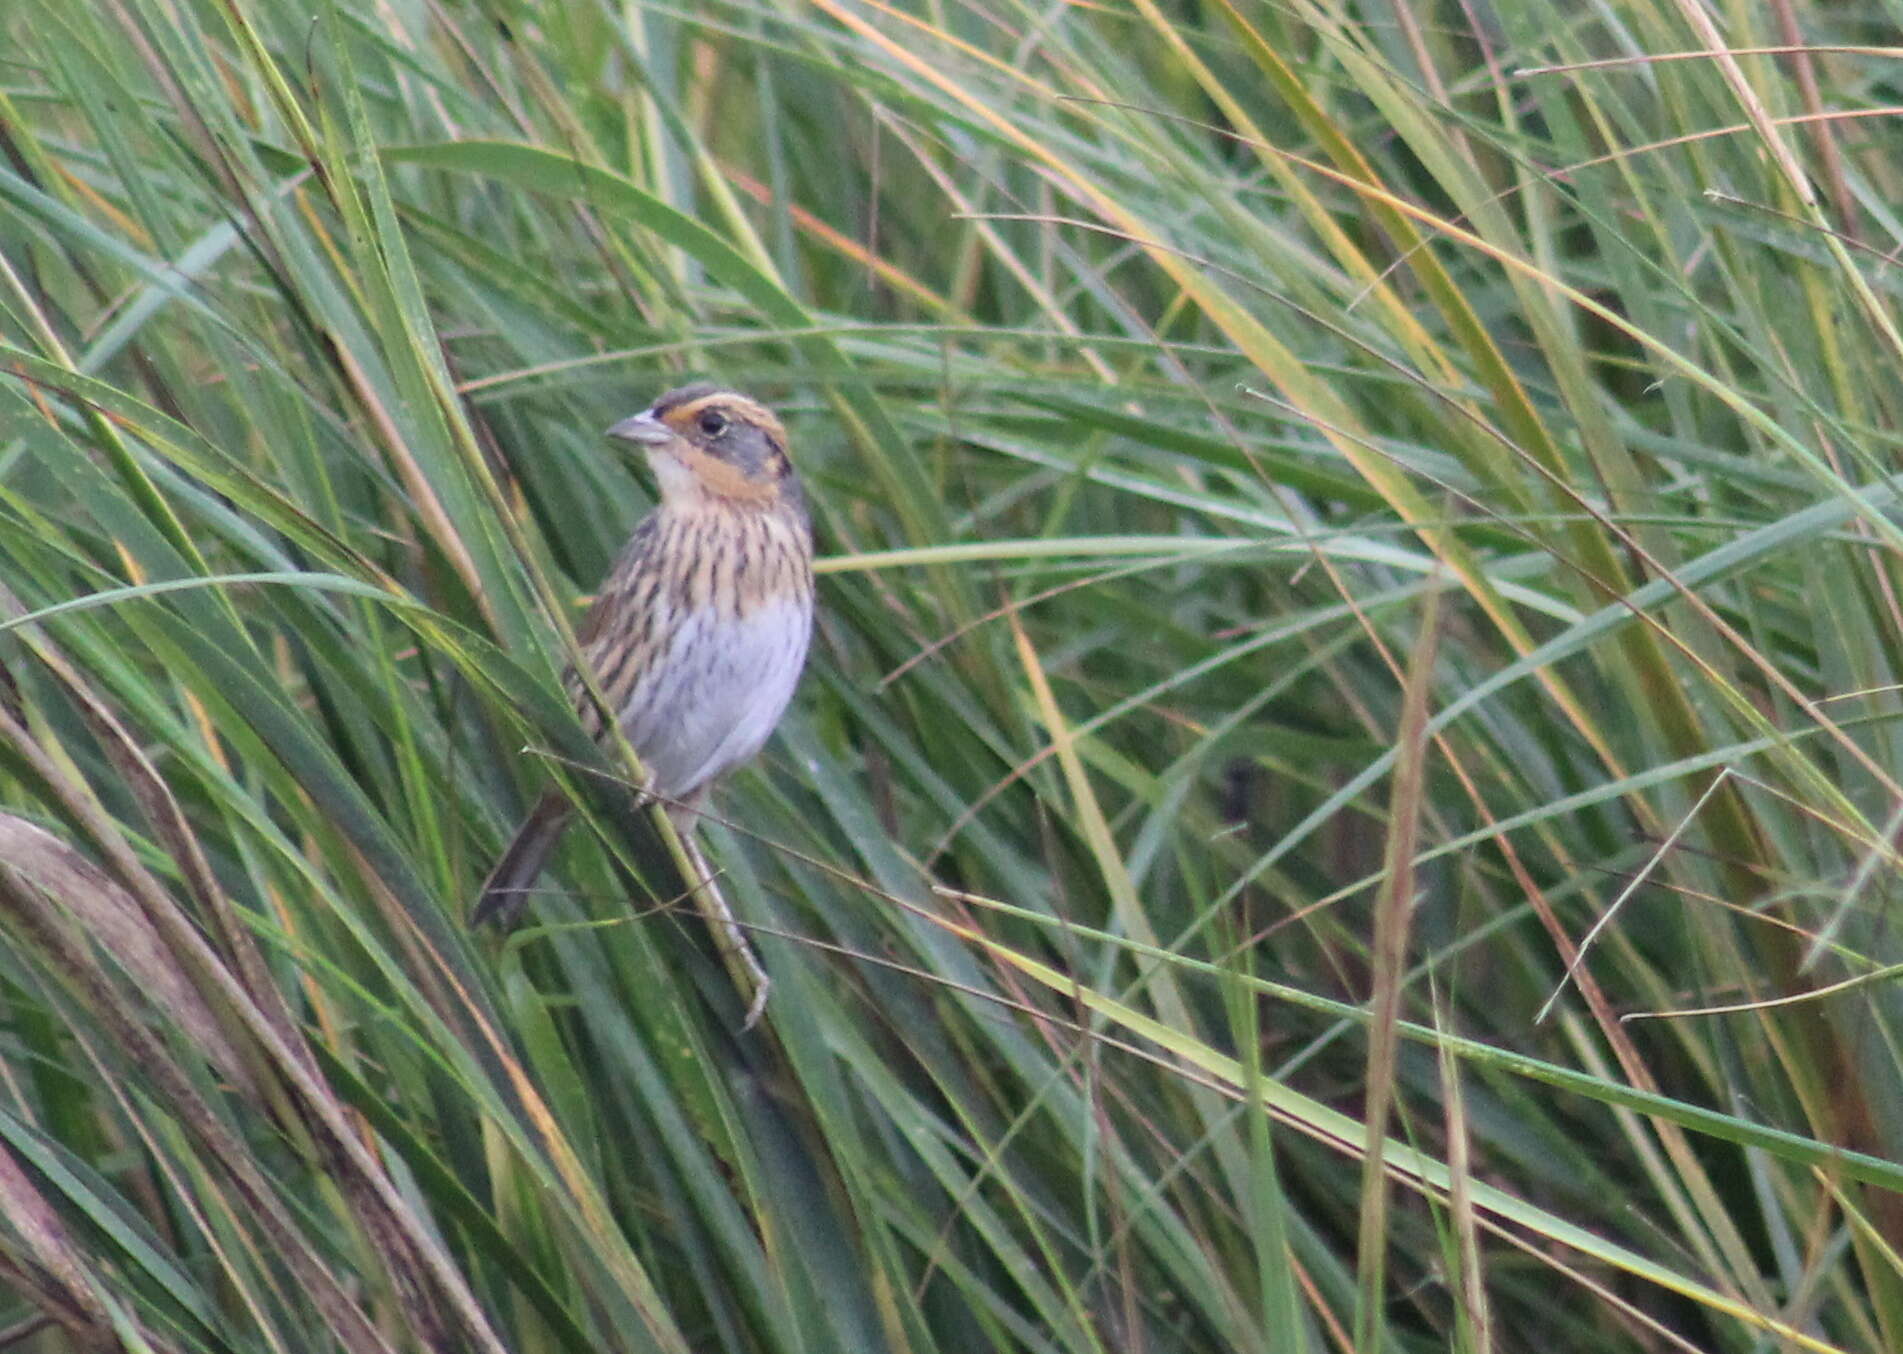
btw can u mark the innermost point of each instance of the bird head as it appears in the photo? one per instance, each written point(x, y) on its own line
point(705, 442)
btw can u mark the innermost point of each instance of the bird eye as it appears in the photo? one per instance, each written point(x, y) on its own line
point(713, 423)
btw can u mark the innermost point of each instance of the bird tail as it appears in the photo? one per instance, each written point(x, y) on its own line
point(506, 890)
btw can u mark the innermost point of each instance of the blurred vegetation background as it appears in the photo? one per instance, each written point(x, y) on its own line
point(1361, 557)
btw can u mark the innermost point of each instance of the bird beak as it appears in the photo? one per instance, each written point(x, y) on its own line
point(643, 428)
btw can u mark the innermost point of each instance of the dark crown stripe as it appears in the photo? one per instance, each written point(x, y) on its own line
point(683, 395)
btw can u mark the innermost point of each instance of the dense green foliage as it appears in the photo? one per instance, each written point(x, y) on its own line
point(1341, 526)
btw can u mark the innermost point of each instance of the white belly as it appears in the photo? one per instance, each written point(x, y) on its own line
point(709, 702)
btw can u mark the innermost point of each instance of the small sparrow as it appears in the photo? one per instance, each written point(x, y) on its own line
point(697, 636)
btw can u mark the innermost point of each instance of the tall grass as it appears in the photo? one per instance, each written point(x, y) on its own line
point(1361, 559)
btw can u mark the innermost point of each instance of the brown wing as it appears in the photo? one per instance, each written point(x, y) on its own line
point(623, 580)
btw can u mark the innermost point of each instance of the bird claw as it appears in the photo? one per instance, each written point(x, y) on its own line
point(763, 987)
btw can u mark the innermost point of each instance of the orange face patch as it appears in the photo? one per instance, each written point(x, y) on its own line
point(732, 448)
point(722, 479)
point(684, 419)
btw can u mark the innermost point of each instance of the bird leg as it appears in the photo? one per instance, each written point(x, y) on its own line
point(748, 973)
